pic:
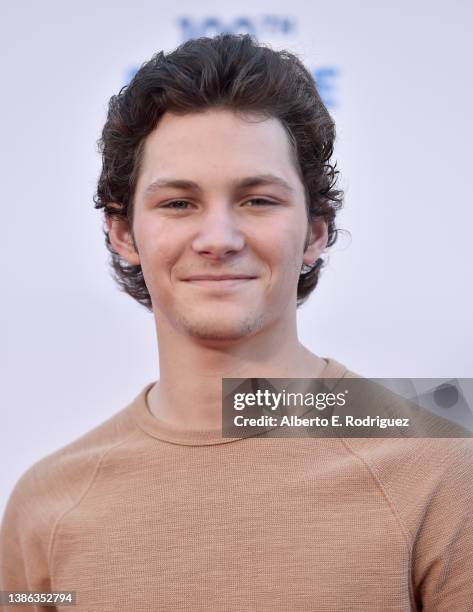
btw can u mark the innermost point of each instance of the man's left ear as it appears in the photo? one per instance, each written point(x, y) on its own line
point(316, 241)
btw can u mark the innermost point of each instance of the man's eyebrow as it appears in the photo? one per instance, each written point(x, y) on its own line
point(175, 183)
point(249, 181)
point(263, 179)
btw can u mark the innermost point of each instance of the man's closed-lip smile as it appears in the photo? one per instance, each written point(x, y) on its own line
point(220, 281)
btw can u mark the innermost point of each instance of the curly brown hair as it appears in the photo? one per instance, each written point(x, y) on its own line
point(227, 71)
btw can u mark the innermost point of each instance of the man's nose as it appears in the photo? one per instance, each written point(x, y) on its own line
point(219, 233)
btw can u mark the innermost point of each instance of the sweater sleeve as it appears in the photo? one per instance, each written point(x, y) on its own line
point(24, 538)
point(443, 549)
point(42, 496)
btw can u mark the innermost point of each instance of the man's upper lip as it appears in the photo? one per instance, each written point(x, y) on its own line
point(218, 276)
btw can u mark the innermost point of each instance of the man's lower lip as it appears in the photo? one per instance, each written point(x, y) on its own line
point(228, 283)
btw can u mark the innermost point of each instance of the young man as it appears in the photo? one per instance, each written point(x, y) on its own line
point(220, 199)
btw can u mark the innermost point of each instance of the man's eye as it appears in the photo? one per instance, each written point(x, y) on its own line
point(261, 202)
point(176, 204)
point(184, 204)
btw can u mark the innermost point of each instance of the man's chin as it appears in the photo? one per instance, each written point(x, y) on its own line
point(219, 330)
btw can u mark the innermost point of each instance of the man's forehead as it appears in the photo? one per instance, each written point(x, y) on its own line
point(217, 129)
point(220, 144)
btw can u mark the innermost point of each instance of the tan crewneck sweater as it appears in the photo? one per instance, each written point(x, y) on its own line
point(139, 516)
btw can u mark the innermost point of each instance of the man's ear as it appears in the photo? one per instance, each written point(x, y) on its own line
point(121, 239)
point(316, 241)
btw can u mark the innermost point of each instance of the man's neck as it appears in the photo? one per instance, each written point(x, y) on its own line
point(189, 391)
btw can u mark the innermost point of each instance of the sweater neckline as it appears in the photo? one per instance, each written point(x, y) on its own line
point(161, 430)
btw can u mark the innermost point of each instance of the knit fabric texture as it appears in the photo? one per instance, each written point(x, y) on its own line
point(138, 515)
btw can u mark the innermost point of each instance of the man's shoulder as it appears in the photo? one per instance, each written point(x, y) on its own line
point(56, 481)
point(411, 472)
point(428, 446)
point(46, 491)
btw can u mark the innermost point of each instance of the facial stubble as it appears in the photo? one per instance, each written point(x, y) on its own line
point(211, 328)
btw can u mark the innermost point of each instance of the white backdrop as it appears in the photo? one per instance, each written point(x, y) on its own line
point(395, 299)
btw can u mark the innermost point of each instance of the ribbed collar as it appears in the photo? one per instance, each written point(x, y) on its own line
point(156, 428)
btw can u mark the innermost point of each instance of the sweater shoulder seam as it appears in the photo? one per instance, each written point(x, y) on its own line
point(404, 529)
point(76, 504)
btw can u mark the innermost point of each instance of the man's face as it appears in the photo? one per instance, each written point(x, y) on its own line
point(218, 195)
